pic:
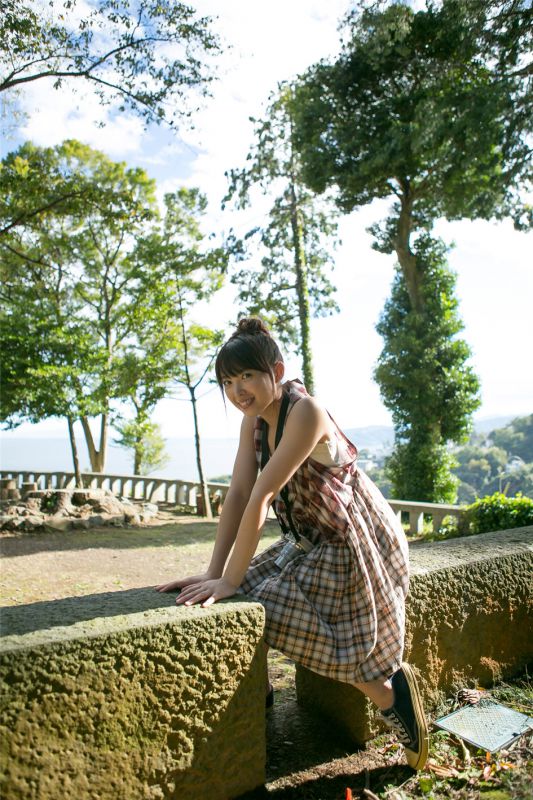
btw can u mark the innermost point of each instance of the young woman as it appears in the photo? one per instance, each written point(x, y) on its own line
point(334, 586)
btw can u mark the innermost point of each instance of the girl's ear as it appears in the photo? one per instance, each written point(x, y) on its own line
point(279, 371)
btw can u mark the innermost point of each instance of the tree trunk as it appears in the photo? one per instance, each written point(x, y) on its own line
point(137, 458)
point(97, 457)
point(406, 257)
point(302, 291)
point(204, 490)
point(75, 458)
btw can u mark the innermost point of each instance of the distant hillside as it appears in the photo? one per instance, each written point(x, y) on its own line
point(492, 423)
point(26, 453)
point(373, 437)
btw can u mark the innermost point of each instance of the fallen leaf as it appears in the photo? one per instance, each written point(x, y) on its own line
point(442, 771)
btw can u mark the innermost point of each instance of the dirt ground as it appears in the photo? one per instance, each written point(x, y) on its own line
point(307, 759)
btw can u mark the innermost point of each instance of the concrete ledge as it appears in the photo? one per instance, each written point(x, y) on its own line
point(124, 695)
point(468, 621)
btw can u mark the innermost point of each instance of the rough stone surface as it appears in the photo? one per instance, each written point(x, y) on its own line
point(66, 509)
point(469, 615)
point(124, 695)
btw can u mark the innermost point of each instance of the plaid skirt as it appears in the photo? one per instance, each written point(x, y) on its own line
point(338, 610)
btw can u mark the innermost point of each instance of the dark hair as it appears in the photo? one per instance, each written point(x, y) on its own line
point(250, 347)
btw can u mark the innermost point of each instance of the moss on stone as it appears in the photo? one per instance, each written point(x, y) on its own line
point(168, 703)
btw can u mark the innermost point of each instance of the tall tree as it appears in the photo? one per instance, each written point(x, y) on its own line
point(425, 380)
point(427, 108)
point(145, 55)
point(185, 273)
point(291, 283)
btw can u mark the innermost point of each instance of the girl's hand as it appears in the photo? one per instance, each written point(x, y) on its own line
point(206, 592)
point(181, 583)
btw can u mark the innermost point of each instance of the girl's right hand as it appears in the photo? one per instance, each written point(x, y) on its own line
point(181, 583)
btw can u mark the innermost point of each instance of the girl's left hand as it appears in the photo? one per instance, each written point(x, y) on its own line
point(206, 592)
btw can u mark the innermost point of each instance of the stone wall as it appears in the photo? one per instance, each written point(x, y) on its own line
point(469, 621)
point(124, 696)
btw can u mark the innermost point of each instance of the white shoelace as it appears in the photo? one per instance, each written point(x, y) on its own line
point(397, 725)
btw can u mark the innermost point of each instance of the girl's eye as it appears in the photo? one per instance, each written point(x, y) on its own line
point(226, 382)
point(246, 374)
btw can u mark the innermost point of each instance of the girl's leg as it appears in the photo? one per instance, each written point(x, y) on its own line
point(380, 692)
point(400, 702)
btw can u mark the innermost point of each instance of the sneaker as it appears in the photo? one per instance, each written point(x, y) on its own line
point(407, 718)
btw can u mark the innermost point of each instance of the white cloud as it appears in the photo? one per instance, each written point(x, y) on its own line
point(58, 114)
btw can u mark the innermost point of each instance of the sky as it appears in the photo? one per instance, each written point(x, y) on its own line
point(267, 43)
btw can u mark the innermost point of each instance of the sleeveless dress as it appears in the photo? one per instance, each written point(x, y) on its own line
point(338, 610)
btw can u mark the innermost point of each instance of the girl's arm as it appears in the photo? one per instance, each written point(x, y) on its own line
point(306, 425)
point(242, 481)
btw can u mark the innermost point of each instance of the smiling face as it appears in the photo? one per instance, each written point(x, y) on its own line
point(252, 391)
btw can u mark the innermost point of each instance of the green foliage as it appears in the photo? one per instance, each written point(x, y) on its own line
point(148, 445)
point(425, 380)
point(497, 513)
point(421, 469)
point(92, 291)
point(291, 284)
point(484, 468)
point(516, 438)
point(421, 102)
point(428, 108)
point(143, 55)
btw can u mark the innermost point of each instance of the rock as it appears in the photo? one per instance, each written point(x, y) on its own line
point(6, 521)
point(32, 523)
point(57, 524)
point(109, 505)
point(81, 497)
point(80, 524)
point(14, 511)
point(101, 520)
point(131, 517)
point(33, 503)
point(149, 511)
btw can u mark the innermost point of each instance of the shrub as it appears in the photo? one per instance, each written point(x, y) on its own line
point(496, 513)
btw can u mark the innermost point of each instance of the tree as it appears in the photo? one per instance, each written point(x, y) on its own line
point(144, 55)
point(186, 273)
point(425, 380)
point(427, 109)
point(147, 443)
point(516, 438)
point(291, 282)
point(46, 350)
point(69, 276)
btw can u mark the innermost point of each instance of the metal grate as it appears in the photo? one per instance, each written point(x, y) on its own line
point(487, 725)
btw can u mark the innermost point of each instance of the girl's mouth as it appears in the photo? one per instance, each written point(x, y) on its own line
point(244, 404)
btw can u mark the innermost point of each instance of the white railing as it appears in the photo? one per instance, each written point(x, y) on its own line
point(417, 511)
point(178, 492)
point(135, 487)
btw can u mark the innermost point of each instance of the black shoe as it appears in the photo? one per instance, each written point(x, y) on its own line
point(407, 717)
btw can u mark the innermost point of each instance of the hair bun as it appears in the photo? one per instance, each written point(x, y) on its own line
point(251, 326)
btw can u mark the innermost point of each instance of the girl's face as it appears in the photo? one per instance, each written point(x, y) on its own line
point(252, 391)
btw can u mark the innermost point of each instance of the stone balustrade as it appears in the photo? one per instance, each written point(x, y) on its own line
point(135, 487)
point(179, 492)
point(417, 511)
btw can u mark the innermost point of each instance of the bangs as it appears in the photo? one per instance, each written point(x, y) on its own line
point(238, 355)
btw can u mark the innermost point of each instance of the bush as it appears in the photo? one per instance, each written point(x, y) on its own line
point(496, 513)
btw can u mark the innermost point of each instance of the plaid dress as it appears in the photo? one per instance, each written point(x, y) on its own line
point(338, 610)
